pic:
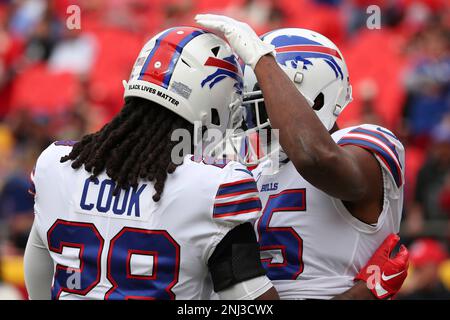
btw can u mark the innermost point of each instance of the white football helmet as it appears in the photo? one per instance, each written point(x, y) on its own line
point(316, 67)
point(193, 73)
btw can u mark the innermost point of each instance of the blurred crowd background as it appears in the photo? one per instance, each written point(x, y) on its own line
point(57, 83)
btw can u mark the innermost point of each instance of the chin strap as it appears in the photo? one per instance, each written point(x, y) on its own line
point(283, 157)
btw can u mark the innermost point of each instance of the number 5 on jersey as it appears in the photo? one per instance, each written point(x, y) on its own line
point(281, 246)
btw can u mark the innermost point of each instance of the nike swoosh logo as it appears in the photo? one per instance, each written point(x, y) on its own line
point(387, 278)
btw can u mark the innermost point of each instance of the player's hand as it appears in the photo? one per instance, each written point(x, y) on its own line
point(384, 275)
point(240, 36)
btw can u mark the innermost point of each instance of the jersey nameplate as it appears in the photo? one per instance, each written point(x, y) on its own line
point(95, 196)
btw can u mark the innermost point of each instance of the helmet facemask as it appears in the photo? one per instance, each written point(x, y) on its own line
point(254, 140)
point(212, 134)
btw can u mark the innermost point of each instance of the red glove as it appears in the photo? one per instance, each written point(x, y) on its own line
point(385, 275)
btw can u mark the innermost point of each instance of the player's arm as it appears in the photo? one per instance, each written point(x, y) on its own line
point(358, 292)
point(348, 173)
point(351, 173)
point(232, 255)
point(38, 267)
point(236, 269)
point(383, 276)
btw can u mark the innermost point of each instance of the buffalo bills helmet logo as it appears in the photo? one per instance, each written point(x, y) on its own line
point(228, 67)
point(294, 49)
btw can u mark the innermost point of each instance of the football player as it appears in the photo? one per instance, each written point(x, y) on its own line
point(117, 218)
point(339, 192)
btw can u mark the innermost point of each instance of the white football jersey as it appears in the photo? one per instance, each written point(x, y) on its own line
point(311, 246)
point(128, 246)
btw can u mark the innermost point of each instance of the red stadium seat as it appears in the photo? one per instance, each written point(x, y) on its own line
point(327, 20)
point(205, 6)
point(44, 92)
point(117, 52)
point(376, 55)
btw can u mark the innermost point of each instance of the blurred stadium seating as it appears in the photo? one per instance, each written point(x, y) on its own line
point(57, 83)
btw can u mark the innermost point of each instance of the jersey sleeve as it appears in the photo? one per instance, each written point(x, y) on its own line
point(234, 263)
point(384, 145)
point(237, 200)
point(46, 167)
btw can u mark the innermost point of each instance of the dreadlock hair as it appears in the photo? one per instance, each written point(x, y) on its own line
point(135, 145)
